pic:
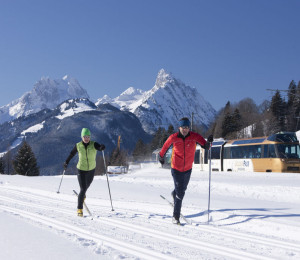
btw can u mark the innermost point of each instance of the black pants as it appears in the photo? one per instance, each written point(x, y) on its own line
point(85, 179)
point(181, 181)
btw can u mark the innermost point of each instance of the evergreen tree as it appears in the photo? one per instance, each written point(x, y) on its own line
point(236, 120)
point(2, 166)
point(291, 107)
point(297, 107)
point(140, 151)
point(278, 109)
point(227, 125)
point(155, 143)
point(8, 161)
point(25, 162)
point(170, 130)
point(217, 127)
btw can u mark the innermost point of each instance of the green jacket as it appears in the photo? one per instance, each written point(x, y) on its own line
point(87, 156)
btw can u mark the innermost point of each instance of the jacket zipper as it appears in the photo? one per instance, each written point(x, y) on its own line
point(183, 154)
point(87, 159)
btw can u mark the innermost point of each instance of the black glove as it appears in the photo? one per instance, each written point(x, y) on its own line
point(161, 160)
point(102, 147)
point(210, 138)
point(65, 165)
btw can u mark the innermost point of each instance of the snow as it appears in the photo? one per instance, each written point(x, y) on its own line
point(34, 129)
point(253, 216)
point(81, 107)
point(46, 93)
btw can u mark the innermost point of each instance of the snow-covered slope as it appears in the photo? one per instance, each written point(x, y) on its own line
point(125, 100)
point(253, 216)
point(47, 93)
point(168, 101)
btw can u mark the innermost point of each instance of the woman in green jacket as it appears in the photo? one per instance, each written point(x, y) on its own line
point(87, 151)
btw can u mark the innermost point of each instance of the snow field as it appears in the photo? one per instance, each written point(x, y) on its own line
point(243, 225)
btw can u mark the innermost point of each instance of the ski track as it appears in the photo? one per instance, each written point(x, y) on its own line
point(151, 230)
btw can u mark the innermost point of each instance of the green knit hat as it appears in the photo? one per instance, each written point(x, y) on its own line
point(85, 132)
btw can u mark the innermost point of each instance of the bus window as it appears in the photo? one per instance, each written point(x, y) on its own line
point(266, 151)
point(227, 153)
point(271, 149)
point(215, 152)
point(197, 157)
point(243, 152)
point(288, 151)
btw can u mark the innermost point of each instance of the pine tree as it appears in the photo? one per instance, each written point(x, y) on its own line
point(155, 143)
point(227, 125)
point(291, 106)
point(2, 166)
point(217, 127)
point(139, 151)
point(236, 120)
point(8, 160)
point(170, 130)
point(296, 106)
point(25, 162)
point(278, 109)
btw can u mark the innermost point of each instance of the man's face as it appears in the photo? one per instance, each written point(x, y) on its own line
point(184, 130)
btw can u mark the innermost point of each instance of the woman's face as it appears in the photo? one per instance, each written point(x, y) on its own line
point(86, 139)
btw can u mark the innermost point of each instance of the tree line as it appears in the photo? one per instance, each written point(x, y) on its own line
point(246, 119)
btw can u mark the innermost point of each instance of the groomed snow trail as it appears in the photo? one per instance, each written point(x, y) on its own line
point(138, 234)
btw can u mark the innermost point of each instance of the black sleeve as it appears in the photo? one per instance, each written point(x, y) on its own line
point(207, 146)
point(72, 154)
point(98, 146)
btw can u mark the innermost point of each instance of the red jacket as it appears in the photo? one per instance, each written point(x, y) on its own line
point(183, 151)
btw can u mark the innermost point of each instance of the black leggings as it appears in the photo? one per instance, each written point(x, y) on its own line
point(85, 178)
point(181, 181)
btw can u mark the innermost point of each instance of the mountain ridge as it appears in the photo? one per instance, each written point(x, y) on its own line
point(165, 103)
point(46, 93)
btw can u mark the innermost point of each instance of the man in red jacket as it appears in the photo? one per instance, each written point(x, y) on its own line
point(183, 152)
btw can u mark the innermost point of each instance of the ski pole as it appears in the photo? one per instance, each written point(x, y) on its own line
point(112, 209)
point(61, 180)
point(208, 209)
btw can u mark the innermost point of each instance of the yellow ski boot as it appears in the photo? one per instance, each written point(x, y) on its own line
point(79, 213)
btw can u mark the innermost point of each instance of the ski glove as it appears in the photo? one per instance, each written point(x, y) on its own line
point(161, 160)
point(102, 147)
point(210, 138)
point(65, 166)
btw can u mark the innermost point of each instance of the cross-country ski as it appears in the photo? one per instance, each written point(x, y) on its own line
point(84, 205)
point(181, 215)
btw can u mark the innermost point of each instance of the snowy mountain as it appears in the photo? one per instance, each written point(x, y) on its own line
point(168, 101)
point(52, 133)
point(47, 93)
point(125, 100)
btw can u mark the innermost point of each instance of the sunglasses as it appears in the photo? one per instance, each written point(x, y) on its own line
point(185, 127)
point(86, 136)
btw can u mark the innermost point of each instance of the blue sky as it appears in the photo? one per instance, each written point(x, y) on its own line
point(227, 49)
